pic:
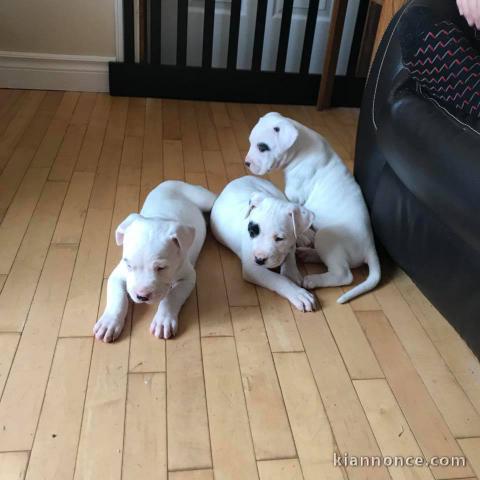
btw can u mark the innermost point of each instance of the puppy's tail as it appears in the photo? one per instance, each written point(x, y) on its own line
point(198, 195)
point(370, 282)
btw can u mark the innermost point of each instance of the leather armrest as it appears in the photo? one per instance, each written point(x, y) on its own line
point(438, 160)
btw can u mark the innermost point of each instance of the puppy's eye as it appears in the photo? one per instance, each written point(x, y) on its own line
point(253, 229)
point(158, 268)
point(279, 239)
point(263, 147)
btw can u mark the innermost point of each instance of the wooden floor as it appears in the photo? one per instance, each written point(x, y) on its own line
point(250, 389)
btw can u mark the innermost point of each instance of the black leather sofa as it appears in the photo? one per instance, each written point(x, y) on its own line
point(419, 169)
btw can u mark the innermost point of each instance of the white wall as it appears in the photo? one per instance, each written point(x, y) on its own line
point(60, 43)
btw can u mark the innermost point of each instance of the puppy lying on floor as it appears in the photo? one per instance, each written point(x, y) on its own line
point(316, 177)
point(160, 248)
point(254, 219)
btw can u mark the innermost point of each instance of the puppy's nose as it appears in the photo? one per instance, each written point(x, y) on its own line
point(260, 261)
point(143, 298)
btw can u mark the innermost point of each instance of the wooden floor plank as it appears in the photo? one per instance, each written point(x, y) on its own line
point(13, 465)
point(83, 298)
point(279, 321)
point(207, 130)
point(191, 475)
point(135, 126)
point(456, 354)
point(348, 421)
point(471, 448)
point(68, 153)
point(126, 197)
point(239, 125)
point(100, 449)
point(25, 112)
point(147, 353)
point(219, 114)
point(240, 292)
point(93, 139)
point(9, 109)
point(192, 148)
point(272, 437)
point(212, 296)
point(74, 210)
point(55, 447)
point(425, 420)
point(27, 379)
point(460, 415)
point(23, 154)
point(227, 412)
point(173, 167)
point(354, 348)
point(18, 216)
point(280, 470)
point(22, 281)
point(171, 120)
point(390, 428)
point(48, 149)
point(8, 348)
point(188, 436)
point(83, 109)
point(145, 453)
point(3, 279)
point(152, 161)
point(215, 170)
point(311, 430)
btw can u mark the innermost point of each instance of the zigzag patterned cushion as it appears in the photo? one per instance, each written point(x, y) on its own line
point(443, 61)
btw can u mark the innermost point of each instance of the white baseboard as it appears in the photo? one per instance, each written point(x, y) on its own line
point(54, 72)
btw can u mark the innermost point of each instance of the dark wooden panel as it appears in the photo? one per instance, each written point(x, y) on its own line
point(259, 34)
point(182, 31)
point(197, 83)
point(284, 34)
point(209, 16)
point(155, 31)
point(128, 32)
point(309, 34)
point(233, 34)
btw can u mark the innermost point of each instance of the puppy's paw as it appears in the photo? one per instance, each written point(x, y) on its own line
point(164, 325)
point(303, 300)
point(108, 328)
point(292, 273)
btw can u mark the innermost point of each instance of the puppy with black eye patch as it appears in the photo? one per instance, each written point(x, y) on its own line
point(256, 221)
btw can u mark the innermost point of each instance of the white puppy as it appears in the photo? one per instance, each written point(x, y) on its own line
point(254, 219)
point(316, 177)
point(160, 248)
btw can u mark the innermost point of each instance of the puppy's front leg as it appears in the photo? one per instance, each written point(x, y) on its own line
point(289, 268)
point(165, 321)
point(302, 299)
point(110, 324)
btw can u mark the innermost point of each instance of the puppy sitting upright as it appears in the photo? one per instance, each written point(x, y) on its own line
point(316, 177)
point(160, 248)
point(254, 219)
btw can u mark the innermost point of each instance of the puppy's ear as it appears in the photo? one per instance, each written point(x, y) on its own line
point(286, 133)
point(120, 231)
point(255, 200)
point(302, 218)
point(183, 237)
